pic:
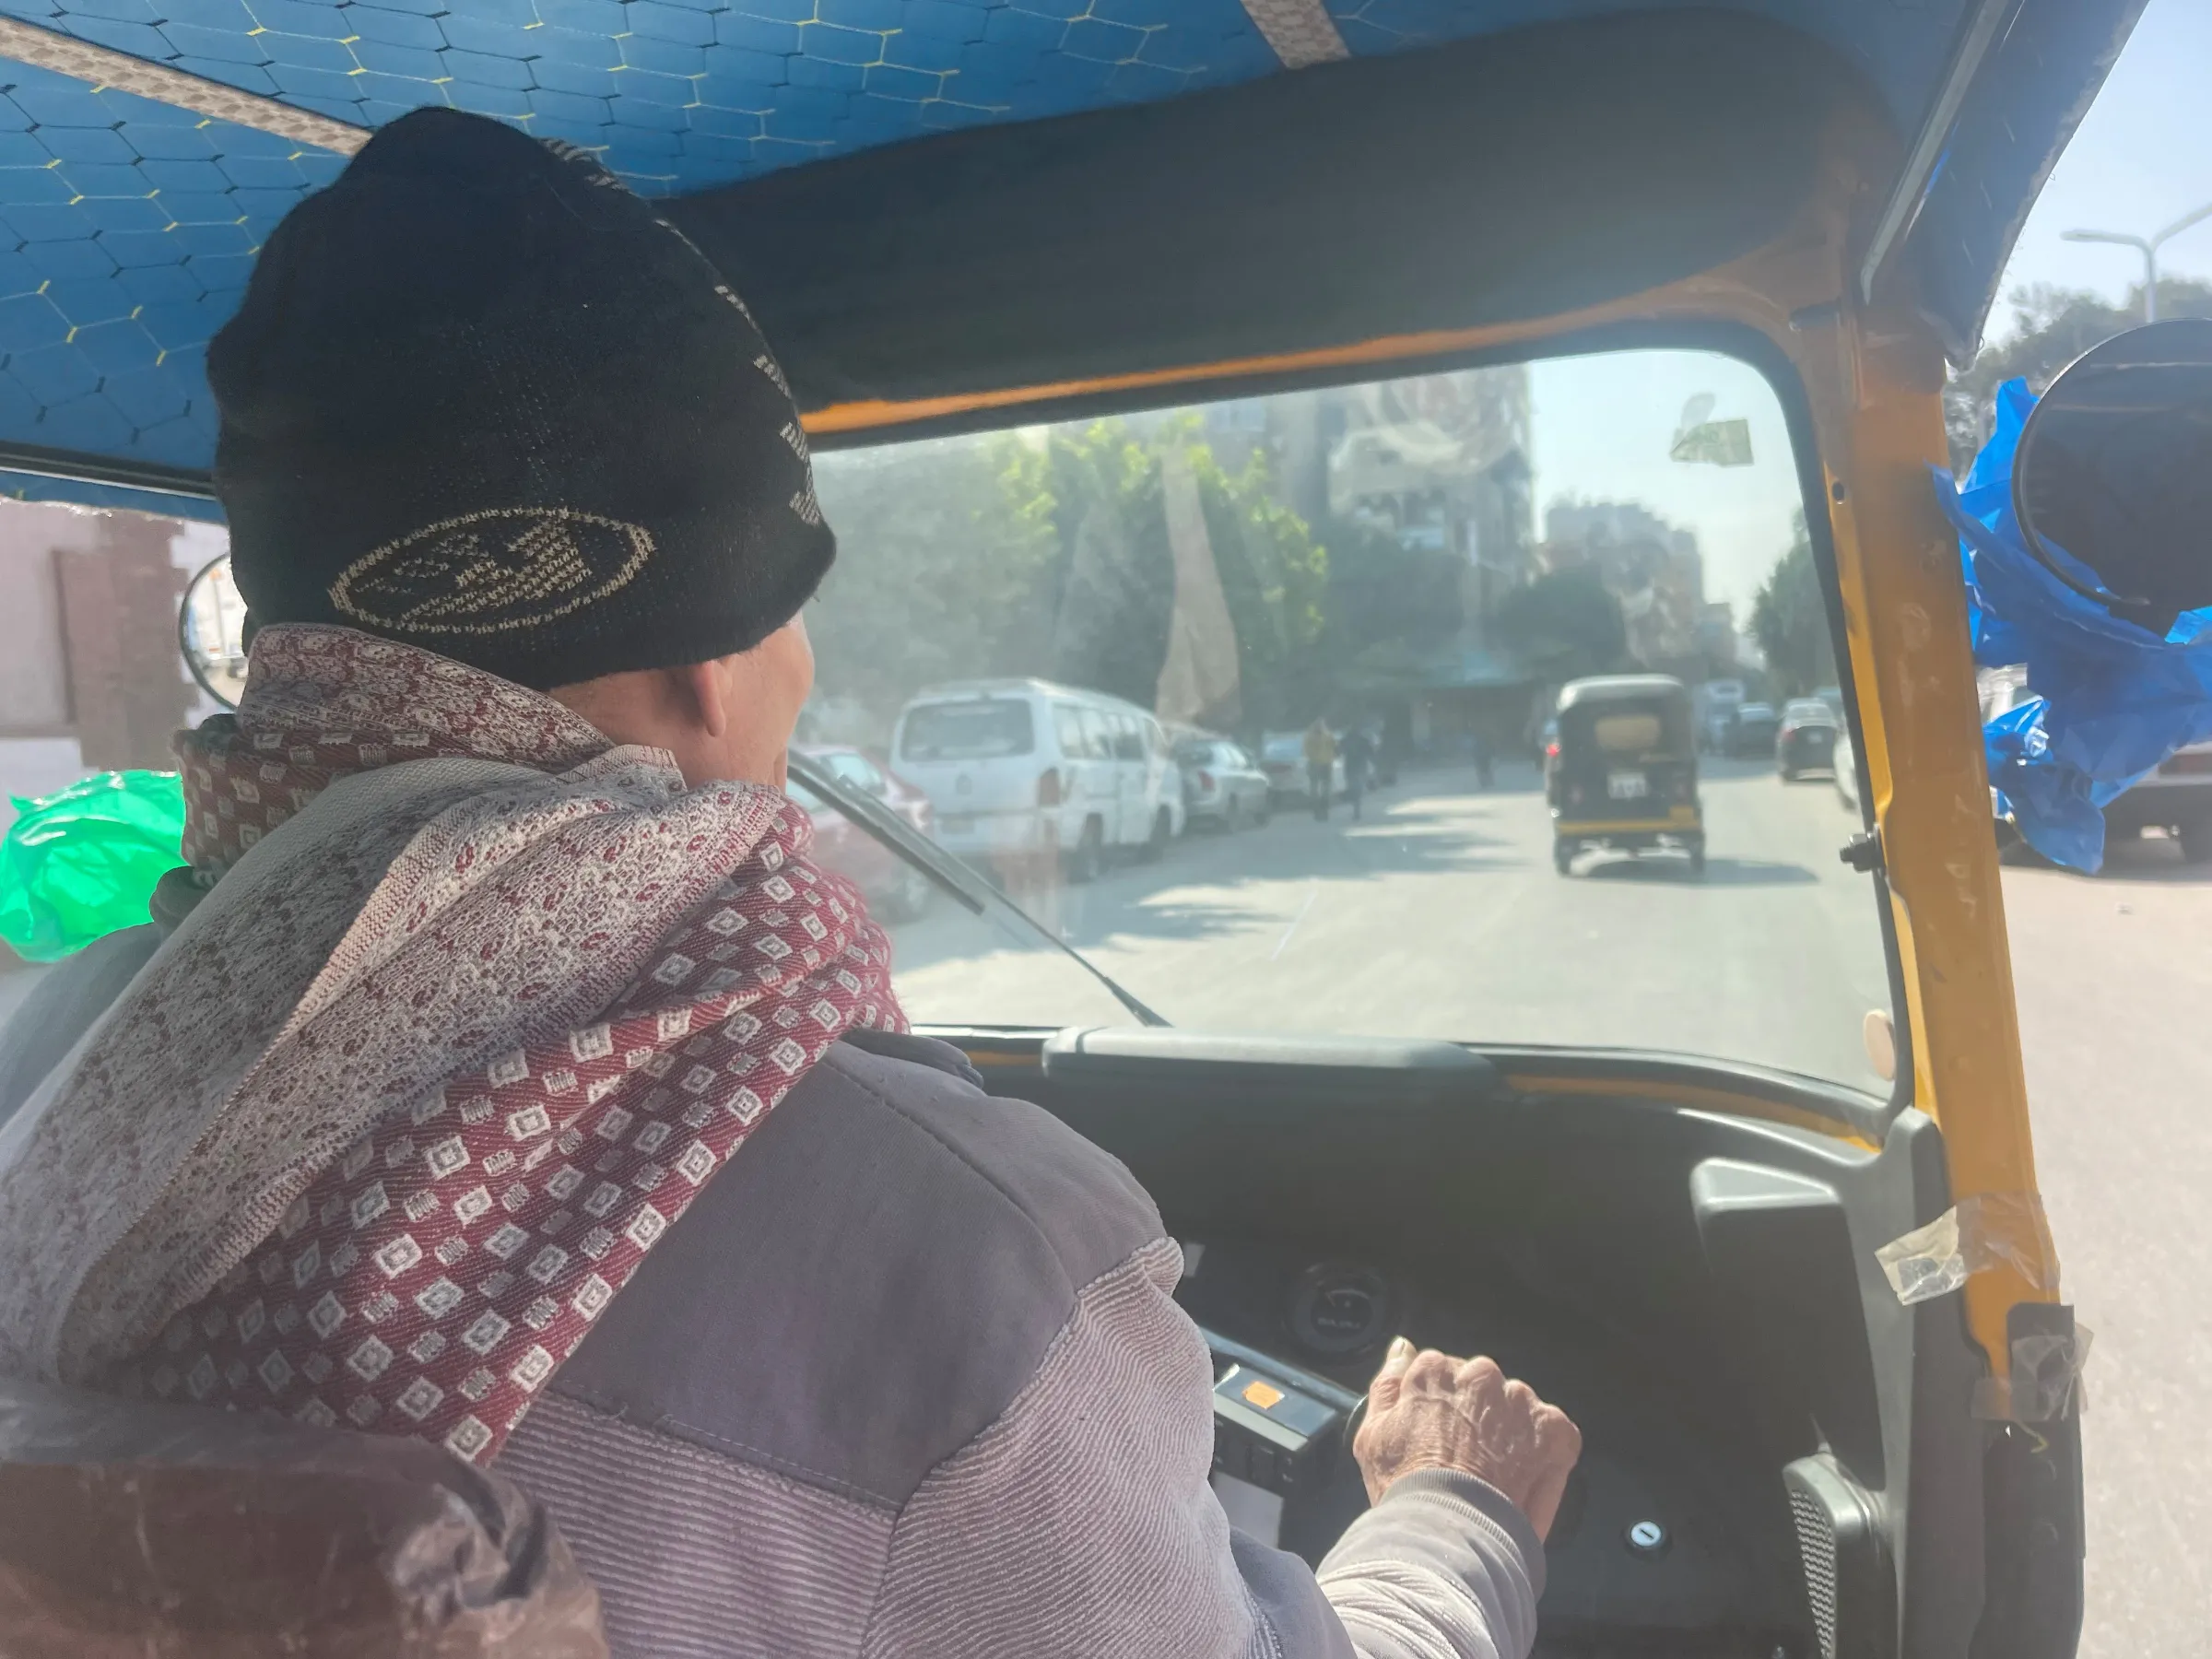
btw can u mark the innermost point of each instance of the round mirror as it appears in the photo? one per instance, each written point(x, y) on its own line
point(2112, 479)
point(211, 631)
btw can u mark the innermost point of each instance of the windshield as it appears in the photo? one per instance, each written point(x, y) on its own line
point(1420, 565)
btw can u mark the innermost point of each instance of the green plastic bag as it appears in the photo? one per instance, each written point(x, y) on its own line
point(81, 864)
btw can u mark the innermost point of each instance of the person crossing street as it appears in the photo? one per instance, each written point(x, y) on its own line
point(1321, 765)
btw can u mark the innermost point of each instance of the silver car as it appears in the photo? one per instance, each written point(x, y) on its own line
point(1222, 784)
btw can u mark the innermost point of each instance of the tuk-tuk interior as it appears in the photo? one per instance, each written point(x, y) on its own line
point(1677, 1244)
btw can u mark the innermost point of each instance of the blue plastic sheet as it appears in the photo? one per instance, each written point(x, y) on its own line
point(2112, 698)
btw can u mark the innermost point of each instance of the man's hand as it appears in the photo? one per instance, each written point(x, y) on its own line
point(1428, 1410)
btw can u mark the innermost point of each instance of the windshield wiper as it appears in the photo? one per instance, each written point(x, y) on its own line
point(947, 871)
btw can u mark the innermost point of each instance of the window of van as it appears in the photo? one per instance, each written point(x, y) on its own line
point(1067, 723)
point(989, 728)
point(1098, 736)
point(1128, 739)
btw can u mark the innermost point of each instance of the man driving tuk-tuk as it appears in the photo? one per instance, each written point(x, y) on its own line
point(1626, 774)
point(512, 1198)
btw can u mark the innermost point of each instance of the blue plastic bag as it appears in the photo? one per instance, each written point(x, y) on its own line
point(2113, 701)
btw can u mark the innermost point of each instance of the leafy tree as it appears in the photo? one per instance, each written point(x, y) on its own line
point(943, 571)
point(1789, 620)
point(1379, 590)
point(1047, 553)
point(1565, 624)
point(2055, 326)
point(1113, 573)
point(1275, 576)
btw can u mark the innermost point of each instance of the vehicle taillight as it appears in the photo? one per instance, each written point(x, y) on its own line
point(1048, 787)
point(1551, 751)
point(1205, 780)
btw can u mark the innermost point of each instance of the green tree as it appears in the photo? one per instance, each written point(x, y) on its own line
point(1380, 590)
point(1789, 620)
point(2055, 326)
point(943, 570)
point(1112, 583)
point(1565, 624)
point(1047, 553)
point(1275, 575)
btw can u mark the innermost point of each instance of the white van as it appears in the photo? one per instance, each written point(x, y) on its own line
point(1023, 767)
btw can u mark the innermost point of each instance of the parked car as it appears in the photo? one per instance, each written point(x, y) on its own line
point(1753, 729)
point(1018, 767)
point(1806, 740)
point(1283, 759)
point(1222, 785)
point(2176, 798)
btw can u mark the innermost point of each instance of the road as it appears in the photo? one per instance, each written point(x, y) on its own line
point(1440, 916)
point(2115, 979)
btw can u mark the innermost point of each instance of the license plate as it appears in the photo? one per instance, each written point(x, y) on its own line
point(958, 824)
point(1628, 786)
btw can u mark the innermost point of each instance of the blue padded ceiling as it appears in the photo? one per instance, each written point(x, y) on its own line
point(128, 227)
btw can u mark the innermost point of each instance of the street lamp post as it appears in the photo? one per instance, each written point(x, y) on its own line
point(2148, 247)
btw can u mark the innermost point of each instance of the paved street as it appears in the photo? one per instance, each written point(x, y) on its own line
point(2115, 980)
point(1440, 916)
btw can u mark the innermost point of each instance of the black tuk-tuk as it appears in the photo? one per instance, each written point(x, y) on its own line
point(1625, 771)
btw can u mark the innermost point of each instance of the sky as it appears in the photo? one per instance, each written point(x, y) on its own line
point(1601, 428)
point(2141, 160)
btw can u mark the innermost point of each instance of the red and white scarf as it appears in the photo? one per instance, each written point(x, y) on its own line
point(565, 1004)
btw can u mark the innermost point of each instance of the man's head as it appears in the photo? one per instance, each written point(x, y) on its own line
point(480, 399)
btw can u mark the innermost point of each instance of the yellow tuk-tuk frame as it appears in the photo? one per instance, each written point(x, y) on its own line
point(1871, 375)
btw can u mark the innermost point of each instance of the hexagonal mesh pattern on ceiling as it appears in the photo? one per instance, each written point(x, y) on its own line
point(128, 227)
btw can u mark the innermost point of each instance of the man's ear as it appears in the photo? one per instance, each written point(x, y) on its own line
point(704, 688)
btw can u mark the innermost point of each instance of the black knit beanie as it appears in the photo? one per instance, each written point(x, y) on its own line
point(480, 399)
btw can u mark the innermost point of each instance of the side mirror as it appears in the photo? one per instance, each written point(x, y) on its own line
point(2112, 478)
point(211, 633)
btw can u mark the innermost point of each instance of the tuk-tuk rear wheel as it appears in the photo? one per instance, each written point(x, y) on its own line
point(1562, 857)
point(1697, 856)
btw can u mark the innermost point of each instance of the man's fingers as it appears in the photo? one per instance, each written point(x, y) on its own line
point(1383, 1393)
point(1481, 1371)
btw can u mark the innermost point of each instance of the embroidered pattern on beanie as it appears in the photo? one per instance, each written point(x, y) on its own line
point(489, 572)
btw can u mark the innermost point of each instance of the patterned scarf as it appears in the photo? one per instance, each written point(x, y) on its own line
point(408, 1212)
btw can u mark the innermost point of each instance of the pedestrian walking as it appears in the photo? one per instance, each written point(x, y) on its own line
point(1359, 760)
point(1321, 766)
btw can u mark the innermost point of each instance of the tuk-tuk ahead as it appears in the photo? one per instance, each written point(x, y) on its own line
point(1625, 771)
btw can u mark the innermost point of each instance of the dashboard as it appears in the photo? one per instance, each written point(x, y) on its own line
point(1778, 1459)
point(1647, 1536)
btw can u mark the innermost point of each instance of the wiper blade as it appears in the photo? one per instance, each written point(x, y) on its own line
point(956, 877)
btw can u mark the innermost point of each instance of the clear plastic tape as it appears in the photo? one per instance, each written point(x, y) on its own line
point(2045, 1383)
point(1989, 1230)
